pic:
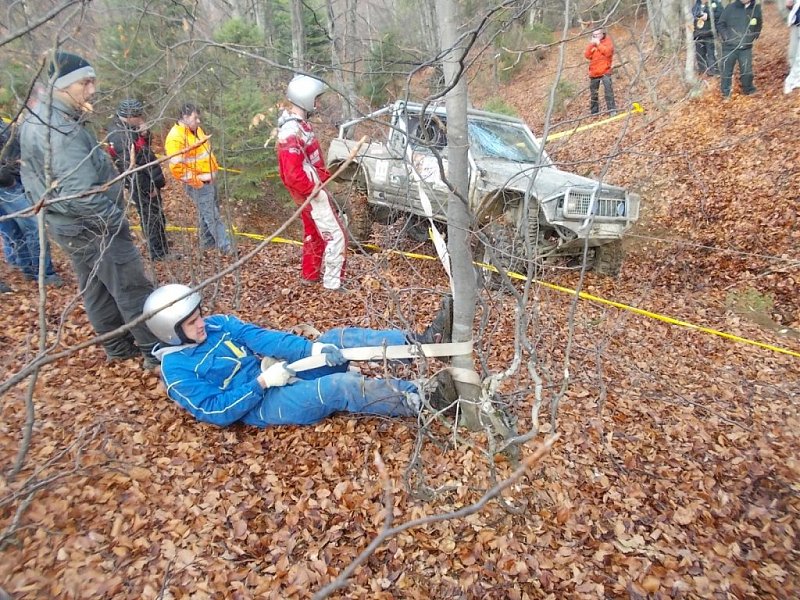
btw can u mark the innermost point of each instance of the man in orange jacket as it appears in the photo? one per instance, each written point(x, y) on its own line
point(600, 53)
point(195, 166)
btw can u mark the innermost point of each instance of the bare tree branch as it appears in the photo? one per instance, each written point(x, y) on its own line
point(388, 532)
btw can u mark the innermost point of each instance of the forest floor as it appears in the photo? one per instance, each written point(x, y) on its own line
point(676, 471)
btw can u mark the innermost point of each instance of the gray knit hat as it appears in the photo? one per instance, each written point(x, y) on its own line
point(69, 68)
point(130, 107)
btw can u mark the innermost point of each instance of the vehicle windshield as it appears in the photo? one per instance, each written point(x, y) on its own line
point(509, 141)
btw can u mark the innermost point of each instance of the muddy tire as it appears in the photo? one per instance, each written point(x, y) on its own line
point(504, 253)
point(416, 228)
point(383, 214)
point(351, 197)
point(608, 259)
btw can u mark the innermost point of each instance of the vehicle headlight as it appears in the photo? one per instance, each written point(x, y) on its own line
point(621, 209)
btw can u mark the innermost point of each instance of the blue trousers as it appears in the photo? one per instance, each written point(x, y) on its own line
point(327, 390)
point(212, 229)
point(21, 235)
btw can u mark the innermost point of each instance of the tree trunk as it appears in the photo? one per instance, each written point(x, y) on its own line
point(268, 16)
point(298, 36)
point(665, 22)
point(344, 53)
point(690, 72)
point(429, 20)
point(458, 215)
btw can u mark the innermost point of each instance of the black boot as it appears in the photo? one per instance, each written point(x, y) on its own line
point(442, 393)
point(150, 362)
point(440, 331)
point(121, 348)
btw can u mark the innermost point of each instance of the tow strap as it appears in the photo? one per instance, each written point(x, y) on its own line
point(367, 353)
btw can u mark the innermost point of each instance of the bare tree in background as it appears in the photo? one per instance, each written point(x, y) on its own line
point(345, 50)
point(298, 36)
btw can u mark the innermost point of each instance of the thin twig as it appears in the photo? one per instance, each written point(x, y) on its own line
point(386, 533)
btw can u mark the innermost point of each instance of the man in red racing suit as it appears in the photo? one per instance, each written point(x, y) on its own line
point(301, 168)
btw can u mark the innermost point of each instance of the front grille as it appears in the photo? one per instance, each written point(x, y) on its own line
point(609, 204)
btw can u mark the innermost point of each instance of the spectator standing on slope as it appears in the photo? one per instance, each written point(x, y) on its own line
point(129, 147)
point(195, 166)
point(302, 169)
point(600, 54)
point(87, 216)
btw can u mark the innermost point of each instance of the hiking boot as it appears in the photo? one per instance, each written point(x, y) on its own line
point(440, 331)
point(54, 280)
point(442, 393)
point(4, 289)
point(150, 362)
point(123, 352)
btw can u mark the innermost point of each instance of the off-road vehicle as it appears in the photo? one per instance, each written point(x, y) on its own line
point(513, 186)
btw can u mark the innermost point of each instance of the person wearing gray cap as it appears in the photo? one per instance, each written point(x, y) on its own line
point(129, 147)
point(64, 165)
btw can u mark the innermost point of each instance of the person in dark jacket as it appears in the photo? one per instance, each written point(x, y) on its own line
point(129, 147)
point(20, 233)
point(64, 165)
point(739, 26)
point(705, 13)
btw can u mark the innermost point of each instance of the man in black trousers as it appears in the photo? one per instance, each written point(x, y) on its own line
point(129, 147)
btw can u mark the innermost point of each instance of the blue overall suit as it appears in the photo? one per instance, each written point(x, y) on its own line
point(216, 380)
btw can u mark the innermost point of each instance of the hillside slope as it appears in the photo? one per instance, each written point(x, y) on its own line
point(675, 475)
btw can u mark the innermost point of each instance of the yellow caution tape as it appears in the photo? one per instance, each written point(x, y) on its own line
point(635, 108)
point(552, 286)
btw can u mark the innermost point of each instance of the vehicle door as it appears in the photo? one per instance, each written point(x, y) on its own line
point(427, 160)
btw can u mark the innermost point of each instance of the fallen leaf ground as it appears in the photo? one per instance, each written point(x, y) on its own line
point(676, 474)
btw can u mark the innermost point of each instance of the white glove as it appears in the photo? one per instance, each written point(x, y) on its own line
point(276, 375)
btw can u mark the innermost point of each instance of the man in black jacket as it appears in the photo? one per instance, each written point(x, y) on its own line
point(705, 12)
point(129, 147)
point(739, 27)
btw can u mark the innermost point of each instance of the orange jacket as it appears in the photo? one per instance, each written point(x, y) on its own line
point(600, 57)
point(187, 166)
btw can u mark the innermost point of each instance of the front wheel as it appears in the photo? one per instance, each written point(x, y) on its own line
point(503, 252)
point(353, 202)
point(608, 259)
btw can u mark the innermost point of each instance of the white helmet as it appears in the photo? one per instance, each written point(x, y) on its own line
point(303, 91)
point(166, 324)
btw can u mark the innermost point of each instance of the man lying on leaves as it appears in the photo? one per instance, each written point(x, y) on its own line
point(211, 366)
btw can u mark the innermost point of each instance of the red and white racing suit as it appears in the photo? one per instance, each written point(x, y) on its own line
point(301, 167)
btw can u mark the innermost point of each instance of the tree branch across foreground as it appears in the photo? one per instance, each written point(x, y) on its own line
point(388, 531)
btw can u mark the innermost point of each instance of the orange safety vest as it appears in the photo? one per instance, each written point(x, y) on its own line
point(189, 164)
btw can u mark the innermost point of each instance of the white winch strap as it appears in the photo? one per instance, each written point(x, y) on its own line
point(438, 240)
point(387, 353)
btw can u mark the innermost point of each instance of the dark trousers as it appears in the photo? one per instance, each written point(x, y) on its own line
point(154, 224)
point(706, 56)
point(594, 88)
point(730, 56)
point(112, 281)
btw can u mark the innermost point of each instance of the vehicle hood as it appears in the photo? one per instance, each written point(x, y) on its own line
point(549, 181)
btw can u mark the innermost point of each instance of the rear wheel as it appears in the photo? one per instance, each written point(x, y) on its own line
point(352, 199)
point(608, 259)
